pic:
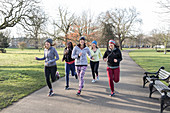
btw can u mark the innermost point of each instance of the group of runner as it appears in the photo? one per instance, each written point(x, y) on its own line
point(76, 61)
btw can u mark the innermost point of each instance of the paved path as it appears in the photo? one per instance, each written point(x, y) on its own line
point(130, 96)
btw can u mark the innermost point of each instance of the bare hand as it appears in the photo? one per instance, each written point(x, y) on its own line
point(92, 58)
point(35, 58)
point(105, 59)
point(80, 54)
point(115, 60)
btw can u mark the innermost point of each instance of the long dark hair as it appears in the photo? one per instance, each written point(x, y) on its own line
point(70, 44)
point(79, 45)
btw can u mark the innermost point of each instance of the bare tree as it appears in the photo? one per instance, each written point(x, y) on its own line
point(14, 11)
point(65, 21)
point(156, 38)
point(123, 22)
point(86, 26)
point(35, 24)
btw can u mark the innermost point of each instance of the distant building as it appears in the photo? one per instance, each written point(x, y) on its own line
point(31, 42)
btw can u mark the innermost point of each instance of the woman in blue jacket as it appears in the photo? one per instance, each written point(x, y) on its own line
point(50, 57)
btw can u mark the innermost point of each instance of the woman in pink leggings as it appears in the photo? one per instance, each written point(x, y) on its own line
point(79, 54)
point(113, 57)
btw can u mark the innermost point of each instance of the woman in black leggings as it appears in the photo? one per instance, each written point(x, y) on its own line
point(50, 57)
point(94, 63)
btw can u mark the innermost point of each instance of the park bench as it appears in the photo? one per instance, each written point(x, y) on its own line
point(3, 50)
point(156, 84)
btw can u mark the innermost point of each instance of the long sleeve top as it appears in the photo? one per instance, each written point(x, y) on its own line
point(96, 55)
point(111, 55)
point(81, 60)
point(50, 57)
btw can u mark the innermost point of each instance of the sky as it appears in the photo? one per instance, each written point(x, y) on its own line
point(148, 9)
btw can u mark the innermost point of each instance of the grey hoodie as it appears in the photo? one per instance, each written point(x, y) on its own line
point(50, 57)
point(80, 60)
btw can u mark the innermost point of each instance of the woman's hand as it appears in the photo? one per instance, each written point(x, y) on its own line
point(105, 59)
point(115, 60)
point(80, 54)
point(92, 58)
point(35, 58)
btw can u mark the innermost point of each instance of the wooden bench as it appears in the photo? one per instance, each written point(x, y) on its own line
point(156, 84)
point(3, 50)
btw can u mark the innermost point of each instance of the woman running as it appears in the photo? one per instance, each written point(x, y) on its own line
point(79, 53)
point(113, 57)
point(50, 57)
point(94, 64)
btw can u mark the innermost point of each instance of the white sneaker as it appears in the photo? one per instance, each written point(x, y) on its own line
point(97, 77)
point(93, 81)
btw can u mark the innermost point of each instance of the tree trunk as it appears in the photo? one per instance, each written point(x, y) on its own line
point(120, 43)
point(165, 44)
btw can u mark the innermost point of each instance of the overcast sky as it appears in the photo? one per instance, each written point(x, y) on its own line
point(147, 9)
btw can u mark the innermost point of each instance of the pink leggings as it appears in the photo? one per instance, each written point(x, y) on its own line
point(113, 75)
point(81, 72)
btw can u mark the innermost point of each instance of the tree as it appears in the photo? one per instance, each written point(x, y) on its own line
point(65, 21)
point(156, 38)
point(83, 26)
point(4, 43)
point(14, 11)
point(107, 33)
point(35, 24)
point(123, 21)
point(22, 45)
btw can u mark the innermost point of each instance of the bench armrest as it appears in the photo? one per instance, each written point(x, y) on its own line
point(165, 90)
point(150, 73)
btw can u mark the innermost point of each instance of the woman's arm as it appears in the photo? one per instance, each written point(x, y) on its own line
point(74, 55)
point(40, 58)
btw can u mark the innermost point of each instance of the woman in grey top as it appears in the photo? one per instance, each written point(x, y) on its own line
point(50, 57)
point(79, 54)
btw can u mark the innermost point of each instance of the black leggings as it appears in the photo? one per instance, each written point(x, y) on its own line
point(94, 68)
point(50, 71)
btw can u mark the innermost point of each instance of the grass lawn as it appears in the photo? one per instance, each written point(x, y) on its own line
point(150, 60)
point(21, 74)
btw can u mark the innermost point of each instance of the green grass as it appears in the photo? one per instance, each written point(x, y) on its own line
point(21, 74)
point(150, 60)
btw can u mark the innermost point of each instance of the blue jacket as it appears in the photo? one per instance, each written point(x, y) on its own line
point(49, 57)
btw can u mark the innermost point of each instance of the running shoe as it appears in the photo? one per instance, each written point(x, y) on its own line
point(78, 93)
point(93, 81)
point(50, 93)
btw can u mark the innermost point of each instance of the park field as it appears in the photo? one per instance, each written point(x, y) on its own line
point(150, 60)
point(21, 74)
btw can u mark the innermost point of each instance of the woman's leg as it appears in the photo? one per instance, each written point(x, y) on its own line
point(92, 69)
point(116, 75)
point(67, 71)
point(110, 77)
point(96, 66)
point(47, 76)
point(53, 73)
point(81, 78)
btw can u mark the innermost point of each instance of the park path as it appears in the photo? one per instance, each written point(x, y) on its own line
point(130, 96)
